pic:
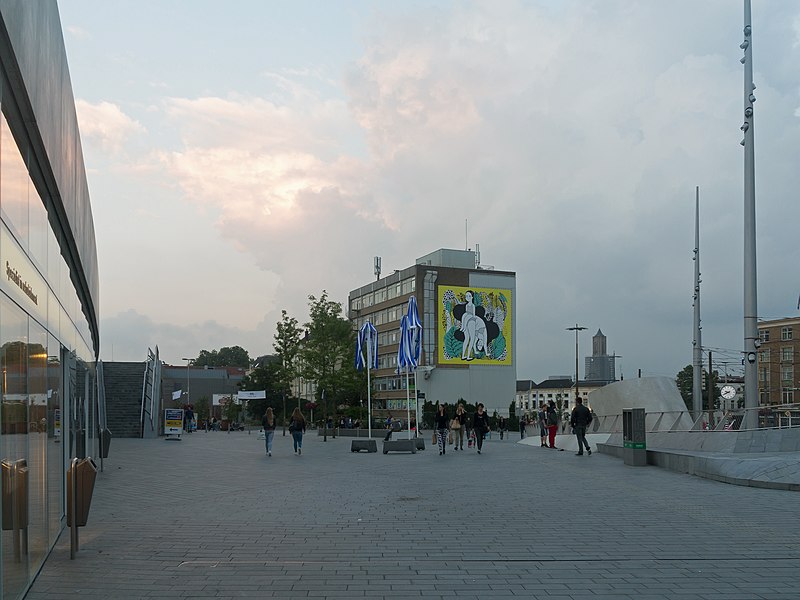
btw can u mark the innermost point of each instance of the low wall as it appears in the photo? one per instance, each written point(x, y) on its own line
point(737, 442)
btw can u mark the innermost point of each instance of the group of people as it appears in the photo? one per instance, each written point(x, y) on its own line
point(297, 427)
point(458, 425)
point(579, 420)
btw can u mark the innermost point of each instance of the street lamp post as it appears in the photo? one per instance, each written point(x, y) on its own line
point(189, 361)
point(576, 329)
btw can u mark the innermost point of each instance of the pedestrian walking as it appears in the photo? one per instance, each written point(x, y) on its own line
point(441, 423)
point(542, 416)
point(297, 427)
point(388, 424)
point(458, 426)
point(268, 423)
point(580, 419)
point(552, 423)
point(480, 423)
point(522, 424)
point(501, 426)
point(189, 414)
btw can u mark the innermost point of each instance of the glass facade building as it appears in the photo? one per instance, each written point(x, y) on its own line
point(49, 340)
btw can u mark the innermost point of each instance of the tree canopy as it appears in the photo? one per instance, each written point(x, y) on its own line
point(685, 386)
point(234, 356)
point(327, 352)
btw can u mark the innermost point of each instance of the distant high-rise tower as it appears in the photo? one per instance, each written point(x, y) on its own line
point(600, 367)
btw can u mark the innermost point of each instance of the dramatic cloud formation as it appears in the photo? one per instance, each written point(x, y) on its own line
point(569, 136)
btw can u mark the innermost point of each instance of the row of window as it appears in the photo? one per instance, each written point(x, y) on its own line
point(786, 334)
point(394, 290)
point(787, 355)
point(393, 314)
point(388, 384)
point(787, 373)
point(787, 396)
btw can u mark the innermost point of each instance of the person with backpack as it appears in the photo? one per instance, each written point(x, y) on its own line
point(552, 424)
point(580, 419)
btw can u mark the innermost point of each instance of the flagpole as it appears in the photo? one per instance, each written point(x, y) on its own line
point(416, 400)
point(408, 406)
point(369, 388)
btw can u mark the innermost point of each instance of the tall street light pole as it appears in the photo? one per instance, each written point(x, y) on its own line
point(189, 361)
point(751, 340)
point(576, 329)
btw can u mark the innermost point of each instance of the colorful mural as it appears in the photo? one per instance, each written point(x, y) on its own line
point(474, 326)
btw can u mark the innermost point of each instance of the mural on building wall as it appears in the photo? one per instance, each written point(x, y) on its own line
point(474, 326)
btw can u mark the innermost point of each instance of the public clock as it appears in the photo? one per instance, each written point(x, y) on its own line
point(728, 392)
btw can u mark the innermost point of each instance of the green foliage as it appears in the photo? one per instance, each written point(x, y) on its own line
point(452, 347)
point(235, 356)
point(326, 355)
point(685, 385)
point(264, 377)
point(685, 382)
point(287, 347)
point(498, 346)
point(202, 408)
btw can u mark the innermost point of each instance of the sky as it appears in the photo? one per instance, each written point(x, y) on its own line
point(244, 155)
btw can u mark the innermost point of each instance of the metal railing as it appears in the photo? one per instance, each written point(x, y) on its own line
point(781, 416)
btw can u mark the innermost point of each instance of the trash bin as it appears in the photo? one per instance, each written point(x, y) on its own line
point(633, 437)
point(85, 472)
point(15, 494)
point(105, 442)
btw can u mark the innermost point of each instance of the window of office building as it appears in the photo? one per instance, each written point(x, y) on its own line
point(763, 335)
point(787, 372)
point(763, 375)
point(787, 396)
point(787, 354)
point(763, 356)
point(786, 333)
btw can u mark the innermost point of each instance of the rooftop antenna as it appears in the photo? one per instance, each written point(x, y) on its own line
point(477, 256)
point(466, 236)
point(377, 268)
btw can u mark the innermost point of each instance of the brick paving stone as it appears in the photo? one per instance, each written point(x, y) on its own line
point(211, 517)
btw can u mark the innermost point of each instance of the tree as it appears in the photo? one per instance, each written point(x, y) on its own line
point(326, 354)
point(685, 381)
point(234, 356)
point(287, 346)
point(264, 377)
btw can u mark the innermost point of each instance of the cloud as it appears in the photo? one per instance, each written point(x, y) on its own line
point(106, 124)
point(569, 137)
point(127, 336)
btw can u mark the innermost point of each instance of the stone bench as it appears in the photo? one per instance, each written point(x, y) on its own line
point(400, 446)
point(369, 445)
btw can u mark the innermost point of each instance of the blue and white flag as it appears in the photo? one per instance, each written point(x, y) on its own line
point(415, 327)
point(405, 358)
point(367, 341)
point(176, 395)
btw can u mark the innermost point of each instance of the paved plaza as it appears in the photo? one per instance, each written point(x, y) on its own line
point(212, 517)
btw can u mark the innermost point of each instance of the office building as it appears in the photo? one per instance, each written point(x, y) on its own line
point(778, 375)
point(469, 318)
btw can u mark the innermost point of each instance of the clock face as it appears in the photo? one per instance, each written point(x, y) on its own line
point(728, 392)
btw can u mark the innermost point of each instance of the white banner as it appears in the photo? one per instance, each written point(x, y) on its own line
point(256, 395)
point(176, 395)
